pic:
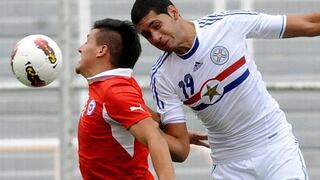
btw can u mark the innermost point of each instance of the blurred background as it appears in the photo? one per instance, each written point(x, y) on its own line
point(38, 127)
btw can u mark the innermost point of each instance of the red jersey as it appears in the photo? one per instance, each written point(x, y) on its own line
point(107, 149)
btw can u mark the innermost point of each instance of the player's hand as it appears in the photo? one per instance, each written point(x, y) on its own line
point(198, 138)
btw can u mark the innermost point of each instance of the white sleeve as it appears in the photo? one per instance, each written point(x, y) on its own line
point(168, 103)
point(259, 25)
point(268, 27)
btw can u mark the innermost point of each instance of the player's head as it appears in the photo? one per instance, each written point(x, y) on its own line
point(160, 23)
point(110, 44)
point(141, 8)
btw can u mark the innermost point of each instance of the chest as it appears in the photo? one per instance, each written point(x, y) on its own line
point(91, 119)
point(209, 73)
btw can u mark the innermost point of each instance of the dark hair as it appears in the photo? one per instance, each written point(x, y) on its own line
point(122, 39)
point(142, 7)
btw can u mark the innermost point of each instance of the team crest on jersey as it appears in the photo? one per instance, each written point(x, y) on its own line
point(211, 92)
point(219, 55)
point(91, 107)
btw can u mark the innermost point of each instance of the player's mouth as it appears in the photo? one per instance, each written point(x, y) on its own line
point(165, 45)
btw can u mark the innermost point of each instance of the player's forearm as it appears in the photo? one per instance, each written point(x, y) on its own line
point(147, 132)
point(303, 25)
point(314, 23)
point(160, 156)
point(179, 148)
point(177, 137)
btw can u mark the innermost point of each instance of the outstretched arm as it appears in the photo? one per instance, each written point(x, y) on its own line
point(307, 25)
point(147, 132)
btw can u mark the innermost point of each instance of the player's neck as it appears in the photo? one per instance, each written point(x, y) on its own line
point(188, 38)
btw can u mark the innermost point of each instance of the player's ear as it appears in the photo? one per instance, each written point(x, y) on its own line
point(173, 12)
point(102, 50)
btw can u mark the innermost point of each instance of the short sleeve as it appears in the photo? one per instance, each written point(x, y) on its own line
point(168, 103)
point(124, 103)
point(258, 25)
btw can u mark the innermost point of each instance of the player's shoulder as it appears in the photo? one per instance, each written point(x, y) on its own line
point(160, 63)
point(122, 89)
point(228, 17)
point(117, 85)
point(216, 16)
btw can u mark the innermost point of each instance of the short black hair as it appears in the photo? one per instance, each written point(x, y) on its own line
point(123, 40)
point(142, 7)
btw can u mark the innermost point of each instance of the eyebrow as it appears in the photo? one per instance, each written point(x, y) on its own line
point(152, 22)
point(143, 33)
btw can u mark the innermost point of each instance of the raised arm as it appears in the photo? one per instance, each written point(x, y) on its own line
point(147, 132)
point(307, 25)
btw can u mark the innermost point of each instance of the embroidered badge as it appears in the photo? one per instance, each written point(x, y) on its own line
point(91, 107)
point(219, 55)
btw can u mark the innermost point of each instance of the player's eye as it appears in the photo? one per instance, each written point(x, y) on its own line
point(156, 25)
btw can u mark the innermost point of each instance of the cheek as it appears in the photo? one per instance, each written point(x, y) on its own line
point(87, 54)
point(85, 61)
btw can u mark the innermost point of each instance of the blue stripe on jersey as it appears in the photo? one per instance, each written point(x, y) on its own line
point(160, 103)
point(226, 89)
point(192, 51)
point(158, 61)
point(282, 28)
point(210, 19)
point(155, 68)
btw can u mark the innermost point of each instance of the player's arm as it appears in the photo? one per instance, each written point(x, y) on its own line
point(177, 137)
point(302, 25)
point(147, 132)
point(195, 137)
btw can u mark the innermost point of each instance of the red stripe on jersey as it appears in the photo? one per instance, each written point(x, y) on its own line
point(220, 77)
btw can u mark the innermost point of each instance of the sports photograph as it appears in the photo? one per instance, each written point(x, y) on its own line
point(159, 90)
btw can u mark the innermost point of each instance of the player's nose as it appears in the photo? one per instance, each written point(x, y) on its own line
point(156, 37)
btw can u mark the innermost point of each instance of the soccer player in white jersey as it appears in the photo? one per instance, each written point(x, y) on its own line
point(206, 66)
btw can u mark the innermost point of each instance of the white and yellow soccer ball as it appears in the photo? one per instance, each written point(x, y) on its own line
point(36, 60)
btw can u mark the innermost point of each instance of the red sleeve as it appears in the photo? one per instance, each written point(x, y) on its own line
point(124, 103)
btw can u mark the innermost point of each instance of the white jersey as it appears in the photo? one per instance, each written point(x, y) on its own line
point(220, 82)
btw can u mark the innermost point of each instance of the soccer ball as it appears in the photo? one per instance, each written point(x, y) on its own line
point(36, 60)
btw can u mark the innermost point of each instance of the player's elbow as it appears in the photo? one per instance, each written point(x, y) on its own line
point(179, 159)
point(181, 156)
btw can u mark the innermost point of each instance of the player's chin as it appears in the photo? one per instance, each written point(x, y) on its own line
point(166, 48)
point(77, 69)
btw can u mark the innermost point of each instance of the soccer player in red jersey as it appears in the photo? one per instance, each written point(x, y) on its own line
point(116, 132)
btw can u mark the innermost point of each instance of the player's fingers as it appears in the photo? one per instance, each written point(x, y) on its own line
point(203, 143)
point(202, 136)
